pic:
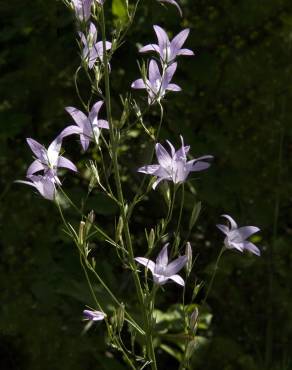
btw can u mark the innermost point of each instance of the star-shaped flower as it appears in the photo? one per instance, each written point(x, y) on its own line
point(92, 315)
point(162, 271)
point(168, 50)
point(92, 49)
point(82, 9)
point(157, 84)
point(48, 160)
point(236, 237)
point(45, 185)
point(172, 2)
point(88, 127)
point(174, 166)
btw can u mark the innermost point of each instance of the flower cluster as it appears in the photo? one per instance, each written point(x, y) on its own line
point(158, 83)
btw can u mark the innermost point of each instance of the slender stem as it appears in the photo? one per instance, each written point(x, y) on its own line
point(181, 209)
point(213, 276)
point(114, 149)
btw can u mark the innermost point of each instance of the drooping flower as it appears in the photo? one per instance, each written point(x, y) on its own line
point(92, 49)
point(48, 160)
point(168, 50)
point(174, 166)
point(45, 185)
point(162, 271)
point(157, 84)
point(172, 2)
point(236, 237)
point(93, 315)
point(82, 9)
point(88, 127)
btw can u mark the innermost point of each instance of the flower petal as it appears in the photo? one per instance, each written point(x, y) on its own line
point(223, 228)
point(252, 248)
point(149, 169)
point(138, 84)
point(70, 130)
point(178, 41)
point(173, 87)
point(185, 52)
point(163, 40)
point(146, 262)
point(78, 116)
point(233, 224)
point(149, 47)
point(154, 73)
point(102, 123)
point(178, 279)
point(246, 231)
point(163, 157)
point(162, 258)
point(37, 148)
point(176, 265)
point(35, 167)
point(66, 163)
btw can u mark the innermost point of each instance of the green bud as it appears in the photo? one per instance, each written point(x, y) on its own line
point(189, 254)
point(151, 239)
point(190, 349)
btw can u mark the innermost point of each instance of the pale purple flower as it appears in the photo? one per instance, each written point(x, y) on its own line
point(172, 2)
point(48, 160)
point(45, 185)
point(88, 127)
point(168, 50)
point(92, 49)
point(157, 84)
point(174, 166)
point(82, 9)
point(236, 237)
point(93, 315)
point(162, 271)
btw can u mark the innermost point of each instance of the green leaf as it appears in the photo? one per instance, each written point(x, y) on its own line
point(119, 10)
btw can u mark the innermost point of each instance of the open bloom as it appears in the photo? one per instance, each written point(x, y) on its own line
point(88, 127)
point(174, 166)
point(92, 49)
point(93, 315)
point(48, 160)
point(236, 237)
point(157, 84)
point(45, 185)
point(162, 271)
point(82, 9)
point(168, 50)
point(172, 2)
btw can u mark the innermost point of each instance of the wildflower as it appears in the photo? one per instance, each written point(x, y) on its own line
point(162, 271)
point(174, 167)
point(157, 84)
point(168, 50)
point(45, 185)
point(93, 315)
point(82, 9)
point(48, 160)
point(92, 49)
point(172, 2)
point(236, 237)
point(88, 127)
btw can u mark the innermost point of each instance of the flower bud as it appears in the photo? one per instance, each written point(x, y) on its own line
point(151, 239)
point(189, 255)
point(194, 319)
point(195, 214)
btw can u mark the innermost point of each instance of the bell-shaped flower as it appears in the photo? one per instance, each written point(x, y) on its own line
point(236, 237)
point(157, 85)
point(174, 166)
point(92, 315)
point(48, 160)
point(45, 185)
point(92, 49)
point(168, 50)
point(87, 127)
point(82, 9)
point(163, 271)
point(172, 2)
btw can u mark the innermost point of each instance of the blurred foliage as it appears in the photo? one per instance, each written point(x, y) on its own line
point(235, 104)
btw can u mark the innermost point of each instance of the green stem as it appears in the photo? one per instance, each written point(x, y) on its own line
point(213, 276)
point(114, 148)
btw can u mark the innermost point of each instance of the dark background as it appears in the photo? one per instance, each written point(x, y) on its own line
point(236, 104)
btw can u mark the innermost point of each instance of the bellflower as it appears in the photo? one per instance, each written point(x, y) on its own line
point(92, 49)
point(88, 127)
point(162, 271)
point(174, 166)
point(82, 9)
point(93, 315)
point(157, 84)
point(45, 185)
point(172, 2)
point(236, 237)
point(168, 50)
point(48, 160)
